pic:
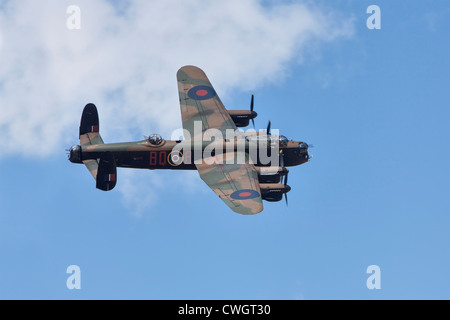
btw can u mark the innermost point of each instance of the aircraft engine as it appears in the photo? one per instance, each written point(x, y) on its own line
point(242, 118)
point(271, 174)
point(274, 192)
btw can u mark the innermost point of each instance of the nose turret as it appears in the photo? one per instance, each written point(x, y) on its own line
point(303, 146)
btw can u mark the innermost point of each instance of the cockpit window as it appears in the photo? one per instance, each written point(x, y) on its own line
point(283, 141)
point(155, 139)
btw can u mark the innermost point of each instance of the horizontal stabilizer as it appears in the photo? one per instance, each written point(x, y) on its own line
point(107, 172)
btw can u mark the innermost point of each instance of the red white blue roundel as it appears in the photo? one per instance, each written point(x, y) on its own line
point(175, 158)
point(244, 194)
point(201, 93)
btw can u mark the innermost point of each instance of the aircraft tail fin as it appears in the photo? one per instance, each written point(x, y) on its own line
point(90, 126)
point(89, 135)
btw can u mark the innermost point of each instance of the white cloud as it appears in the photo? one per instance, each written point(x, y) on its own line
point(125, 61)
point(125, 58)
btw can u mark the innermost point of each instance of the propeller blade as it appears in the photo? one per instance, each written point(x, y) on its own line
point(252, 105)
point(281, 159)
point(268, 128)
point(285, 183)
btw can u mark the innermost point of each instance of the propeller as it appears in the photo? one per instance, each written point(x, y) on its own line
point(268, 128)
point(285, 183)
point(252, 105)
point(286, 175)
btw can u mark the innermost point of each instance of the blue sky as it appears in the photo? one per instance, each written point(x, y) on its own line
point(373, 103)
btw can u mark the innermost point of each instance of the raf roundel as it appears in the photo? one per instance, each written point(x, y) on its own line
point(175, 158)
point(244, 194)
point(201, 93)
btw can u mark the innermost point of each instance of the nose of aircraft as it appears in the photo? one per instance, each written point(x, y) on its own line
point(303, 145)
point(303, 150)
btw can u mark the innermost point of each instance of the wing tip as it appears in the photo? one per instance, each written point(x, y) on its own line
point(249, 211)
point(190, 70)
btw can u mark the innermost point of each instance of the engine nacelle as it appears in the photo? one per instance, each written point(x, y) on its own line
point(271, 174)
point(242, 118)
point(273, 192)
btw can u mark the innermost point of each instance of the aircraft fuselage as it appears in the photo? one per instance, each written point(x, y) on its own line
point(144, 155)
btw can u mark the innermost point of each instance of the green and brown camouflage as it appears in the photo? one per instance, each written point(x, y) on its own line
point(236, 184)
point(228, 179)
point(200, 103)
point(236, 174)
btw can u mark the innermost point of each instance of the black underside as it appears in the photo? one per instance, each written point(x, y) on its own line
point(243, 120)
point(89, 119)
point(273, 196)
point(107, 172)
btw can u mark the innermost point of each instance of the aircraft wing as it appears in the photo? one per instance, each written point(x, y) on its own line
point(200, 102)
point(236, 184)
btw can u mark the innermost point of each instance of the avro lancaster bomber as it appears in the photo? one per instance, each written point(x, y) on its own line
point(242, 168)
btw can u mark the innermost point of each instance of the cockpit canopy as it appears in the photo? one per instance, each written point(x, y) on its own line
point(303, 145)
point(155, 139)
point(283, 140)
